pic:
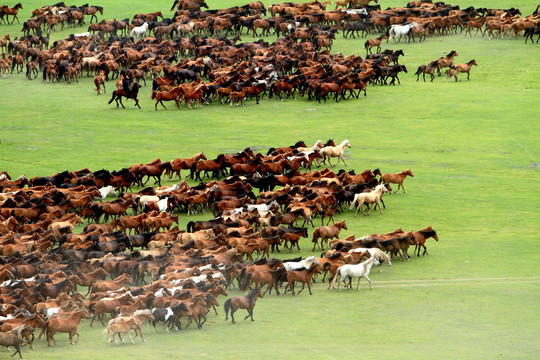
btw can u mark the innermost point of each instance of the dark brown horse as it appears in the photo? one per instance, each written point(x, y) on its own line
point(421, 236)
point(245, 302)
point(118, 94)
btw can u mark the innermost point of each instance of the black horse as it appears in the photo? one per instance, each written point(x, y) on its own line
point(118, 94)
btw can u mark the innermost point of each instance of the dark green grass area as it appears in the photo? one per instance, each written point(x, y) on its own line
point(472, 146)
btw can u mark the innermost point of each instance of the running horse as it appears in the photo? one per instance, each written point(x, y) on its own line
point(443, 62)
point(327, 232)
point(421, 236)
point(328, 152)
point(465, 68)
point(400, 30)
point(13, 338)
point(67, 323)
point(118, 94)
point(245, 302)
point(397, 178)
point(369, 198)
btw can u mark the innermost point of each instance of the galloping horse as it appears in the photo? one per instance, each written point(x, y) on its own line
point(465, 68)
point(327, 232)
point(13, 338)
point(335, 151)
point(397, 178)
point(68, 323)
point(370, 43)
point(421, 236)
point(443, 62)
point(400, 30)
point(245, 302)
point(355, 271)
point(173, 94)
point(117, 95)
point(369, 198)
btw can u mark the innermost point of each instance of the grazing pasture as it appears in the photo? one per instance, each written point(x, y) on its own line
point(472, 145)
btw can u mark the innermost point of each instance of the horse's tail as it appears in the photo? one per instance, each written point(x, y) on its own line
point(366, 44)
point(418, 71)
point(112, 98)
point(247, 282)
point(43, 329)
point(189, 226)
point(353, 202)
point(227, 307)
point(153, 96)
point(316, 235)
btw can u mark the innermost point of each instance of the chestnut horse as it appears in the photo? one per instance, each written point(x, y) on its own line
point(327, 232)
point(245, 302)
point(173, 94)
point(67, 323)
point(465, 68)
point(397, 178)
point(421, 236)
point(370, 43)
point(7, 11)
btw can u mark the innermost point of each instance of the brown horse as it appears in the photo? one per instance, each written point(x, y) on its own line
point(421, 236)
point(304, 276)
point(443, 62)
point(376, 42)
point(13, 338)
point(327, 232)
point(170, 95)
point(245, 302)
point(397, 178)
point(99, 81)
point(427, 69)
point(7, 11)
point(67, 323)
point(465, 68)
point(184, 164)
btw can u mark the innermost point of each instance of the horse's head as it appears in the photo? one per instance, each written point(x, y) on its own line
point(409, 172)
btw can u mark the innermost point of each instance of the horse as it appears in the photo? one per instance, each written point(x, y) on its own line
point(139, 31)
point(99, 81)
point(465, 68)
point(327, 232)
point(397, 178)
point(426, 69)
point(121, 328)
point(369, 198)
point(304, 276)
point(245, 302)
point(68, 323)
point(118, 94)
point(306, 263)
point(13, 338)
point(442, 62)
point(421, 236)
point(7, 11)
point(376, 42)
point(328, 152)
point(400, 30)
point(355, 271)
point(173, 94)
point(377, 253)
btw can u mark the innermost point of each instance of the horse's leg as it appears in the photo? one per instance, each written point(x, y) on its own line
point(161, 102)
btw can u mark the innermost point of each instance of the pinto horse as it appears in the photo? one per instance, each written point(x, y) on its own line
point(327, 232)
point(118, 94)
point(397, 178)
point(245, 302)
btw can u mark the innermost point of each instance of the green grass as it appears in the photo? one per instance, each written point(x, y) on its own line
point(469, 144)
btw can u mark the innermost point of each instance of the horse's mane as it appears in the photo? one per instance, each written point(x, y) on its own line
point(250, 295)
point(428, 233)
point(451, 53)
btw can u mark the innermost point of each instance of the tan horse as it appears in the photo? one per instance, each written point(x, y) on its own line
point(99, 81)
point(327, 232)
point(465, 68)
point(397, 178)
point(13, 338)
point(372, 197)
point(328, 152)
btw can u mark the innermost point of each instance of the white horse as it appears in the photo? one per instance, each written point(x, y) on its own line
point(377, 253)
point(399, 30)
point(106, 191)
point(335, 151)
point(263, 207)
point(369, 198)
point(317, 145)
point(302, 264)
point(355, 271)
point(139, 31)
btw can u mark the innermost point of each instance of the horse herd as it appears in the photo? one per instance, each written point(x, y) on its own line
point(191, 46)
point(175, 276)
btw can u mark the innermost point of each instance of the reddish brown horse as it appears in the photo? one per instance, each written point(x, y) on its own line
point(376, 42)
point(66, 323)
point(7, 11)
point(245, 302)
point(397, 178)
point(421, 236)
point(171, 95)
point(327, 232)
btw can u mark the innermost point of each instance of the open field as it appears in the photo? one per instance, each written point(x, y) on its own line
point(472, 145)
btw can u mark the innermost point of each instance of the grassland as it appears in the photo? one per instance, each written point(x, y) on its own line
point(472, 146)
